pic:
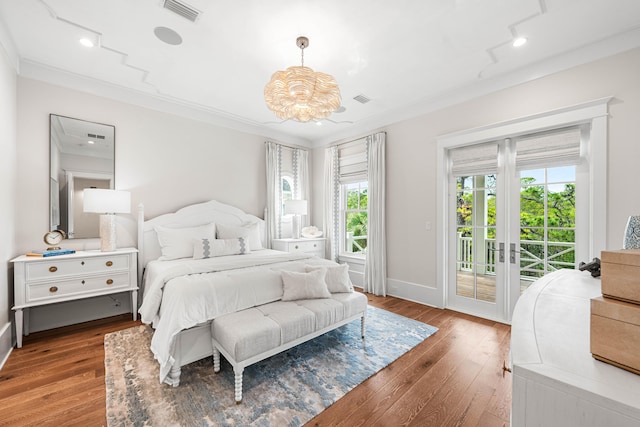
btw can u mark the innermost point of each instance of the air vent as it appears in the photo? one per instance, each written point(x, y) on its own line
point(182, 9)
point(361, 99)
point(93, 135)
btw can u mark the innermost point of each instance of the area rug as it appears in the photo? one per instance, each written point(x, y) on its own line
point(288, 389)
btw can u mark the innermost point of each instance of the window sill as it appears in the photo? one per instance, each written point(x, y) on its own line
point(356, 259)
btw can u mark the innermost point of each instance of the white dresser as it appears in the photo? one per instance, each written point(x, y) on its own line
point(308, 246)
point(84, 274)
point(556, 382)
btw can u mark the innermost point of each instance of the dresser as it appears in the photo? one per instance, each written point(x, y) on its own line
point(313, 246)
point(556, 381)
point(84, 274)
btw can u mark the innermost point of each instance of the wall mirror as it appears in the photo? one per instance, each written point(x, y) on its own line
point(81, 155)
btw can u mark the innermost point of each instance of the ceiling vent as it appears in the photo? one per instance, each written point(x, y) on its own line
point(93, 135)
point(182, 9)
point(362, 99)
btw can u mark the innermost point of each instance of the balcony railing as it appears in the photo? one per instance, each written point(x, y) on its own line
point(352, 241)
point(532, 266)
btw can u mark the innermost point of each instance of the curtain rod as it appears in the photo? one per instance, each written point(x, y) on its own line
point(338, 144)
point(293, 147)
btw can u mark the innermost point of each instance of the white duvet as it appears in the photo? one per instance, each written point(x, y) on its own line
point(183, 293)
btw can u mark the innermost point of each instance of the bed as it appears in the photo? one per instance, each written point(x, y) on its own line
point(183, 290)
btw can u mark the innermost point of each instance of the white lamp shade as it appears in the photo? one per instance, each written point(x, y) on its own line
point(295, 207)
point(104, 201)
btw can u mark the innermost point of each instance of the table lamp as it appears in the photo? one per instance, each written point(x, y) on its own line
point(295, 208)
point(107, 203)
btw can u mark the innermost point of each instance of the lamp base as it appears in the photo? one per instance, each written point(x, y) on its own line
point(295, 226)
point(107, 232)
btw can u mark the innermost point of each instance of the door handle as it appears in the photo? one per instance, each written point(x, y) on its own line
point(500, 251)
point(512, 253)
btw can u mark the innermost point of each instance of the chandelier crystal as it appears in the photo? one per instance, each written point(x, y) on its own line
point(301, 94)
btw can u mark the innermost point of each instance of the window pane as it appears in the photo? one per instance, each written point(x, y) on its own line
point(464, 182)
point(561, 205)
point(532, 176)
point(465, 207)
point(352, 198)
point(532, 233)
point(491, 209)
point(563, 174)
point(364, 199)
point(532, 206)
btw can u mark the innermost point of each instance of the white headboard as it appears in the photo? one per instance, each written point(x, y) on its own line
point(189, 216)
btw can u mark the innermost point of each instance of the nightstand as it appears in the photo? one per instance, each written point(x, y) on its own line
point(84, 274)
point(308, 246)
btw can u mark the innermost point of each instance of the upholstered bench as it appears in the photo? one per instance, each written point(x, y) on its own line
point(249, 336)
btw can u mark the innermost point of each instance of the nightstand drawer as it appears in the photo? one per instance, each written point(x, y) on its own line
point(66, 288)
point(302, 246)
point(50, 269)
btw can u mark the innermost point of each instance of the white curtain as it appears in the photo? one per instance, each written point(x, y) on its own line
point(375, 268)
point(274, 193)
point(302, 181)
point(331, 202)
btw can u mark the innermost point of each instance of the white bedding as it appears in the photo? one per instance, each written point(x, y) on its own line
point(180, 294)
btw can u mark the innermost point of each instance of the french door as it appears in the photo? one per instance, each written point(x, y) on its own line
point(477, 234)
point(511, 221)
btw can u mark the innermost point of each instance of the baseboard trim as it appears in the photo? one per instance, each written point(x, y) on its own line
point(6, 343)
point(422, 294)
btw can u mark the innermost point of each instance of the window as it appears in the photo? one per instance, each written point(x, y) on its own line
point(547, 221)
point(287, 190)
point(355, 220)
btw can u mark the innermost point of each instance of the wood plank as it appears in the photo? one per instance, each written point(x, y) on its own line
point(455, 376)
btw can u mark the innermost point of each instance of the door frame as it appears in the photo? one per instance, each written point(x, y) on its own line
point(593, 113)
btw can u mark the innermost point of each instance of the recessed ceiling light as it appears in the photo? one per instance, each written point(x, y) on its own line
point(167, 35)
point(519, 41)
point(90, 142)
point(86, 42)
point(318, 123)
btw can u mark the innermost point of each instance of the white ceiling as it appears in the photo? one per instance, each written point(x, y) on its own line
point(407, 56)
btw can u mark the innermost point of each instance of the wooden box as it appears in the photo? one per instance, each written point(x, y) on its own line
point(620, 274)
point(615, 333)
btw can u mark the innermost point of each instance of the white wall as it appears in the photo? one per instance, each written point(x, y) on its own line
point(166, 161)
point(411, 160)
point(7, 193)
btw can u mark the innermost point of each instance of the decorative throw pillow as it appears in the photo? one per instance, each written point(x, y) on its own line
point(178, 242)
point(297, 286)
point(205, 248)
point(337, 277)
point(250, 230)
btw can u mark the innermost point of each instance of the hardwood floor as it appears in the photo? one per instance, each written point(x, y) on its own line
point(454, 378)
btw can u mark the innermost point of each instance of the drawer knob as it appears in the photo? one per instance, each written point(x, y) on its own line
point(315, 246)
point(296, 247)
point(53, 289)
point(109, 281)
point(53, 269)
point(82, 282)
point(109, 263)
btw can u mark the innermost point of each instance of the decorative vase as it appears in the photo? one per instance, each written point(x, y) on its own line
point(632, 233)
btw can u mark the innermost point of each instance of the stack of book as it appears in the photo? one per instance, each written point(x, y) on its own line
point(51, 252)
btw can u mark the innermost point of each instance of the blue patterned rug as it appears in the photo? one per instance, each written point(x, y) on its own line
point(287, 389)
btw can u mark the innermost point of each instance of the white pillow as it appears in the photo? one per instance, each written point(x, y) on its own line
point(297, 286)
point(337, 277)
point(178, 242)
point(250, 230)
point(205, 248)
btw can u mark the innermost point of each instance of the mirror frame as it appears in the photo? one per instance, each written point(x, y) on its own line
point(71, 158)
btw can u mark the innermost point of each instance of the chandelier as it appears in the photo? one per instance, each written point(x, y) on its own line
point(301, 94)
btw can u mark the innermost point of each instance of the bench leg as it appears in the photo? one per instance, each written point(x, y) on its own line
point(362, 326)
point(174, 375)
point(216, 360)
point(238, 374)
